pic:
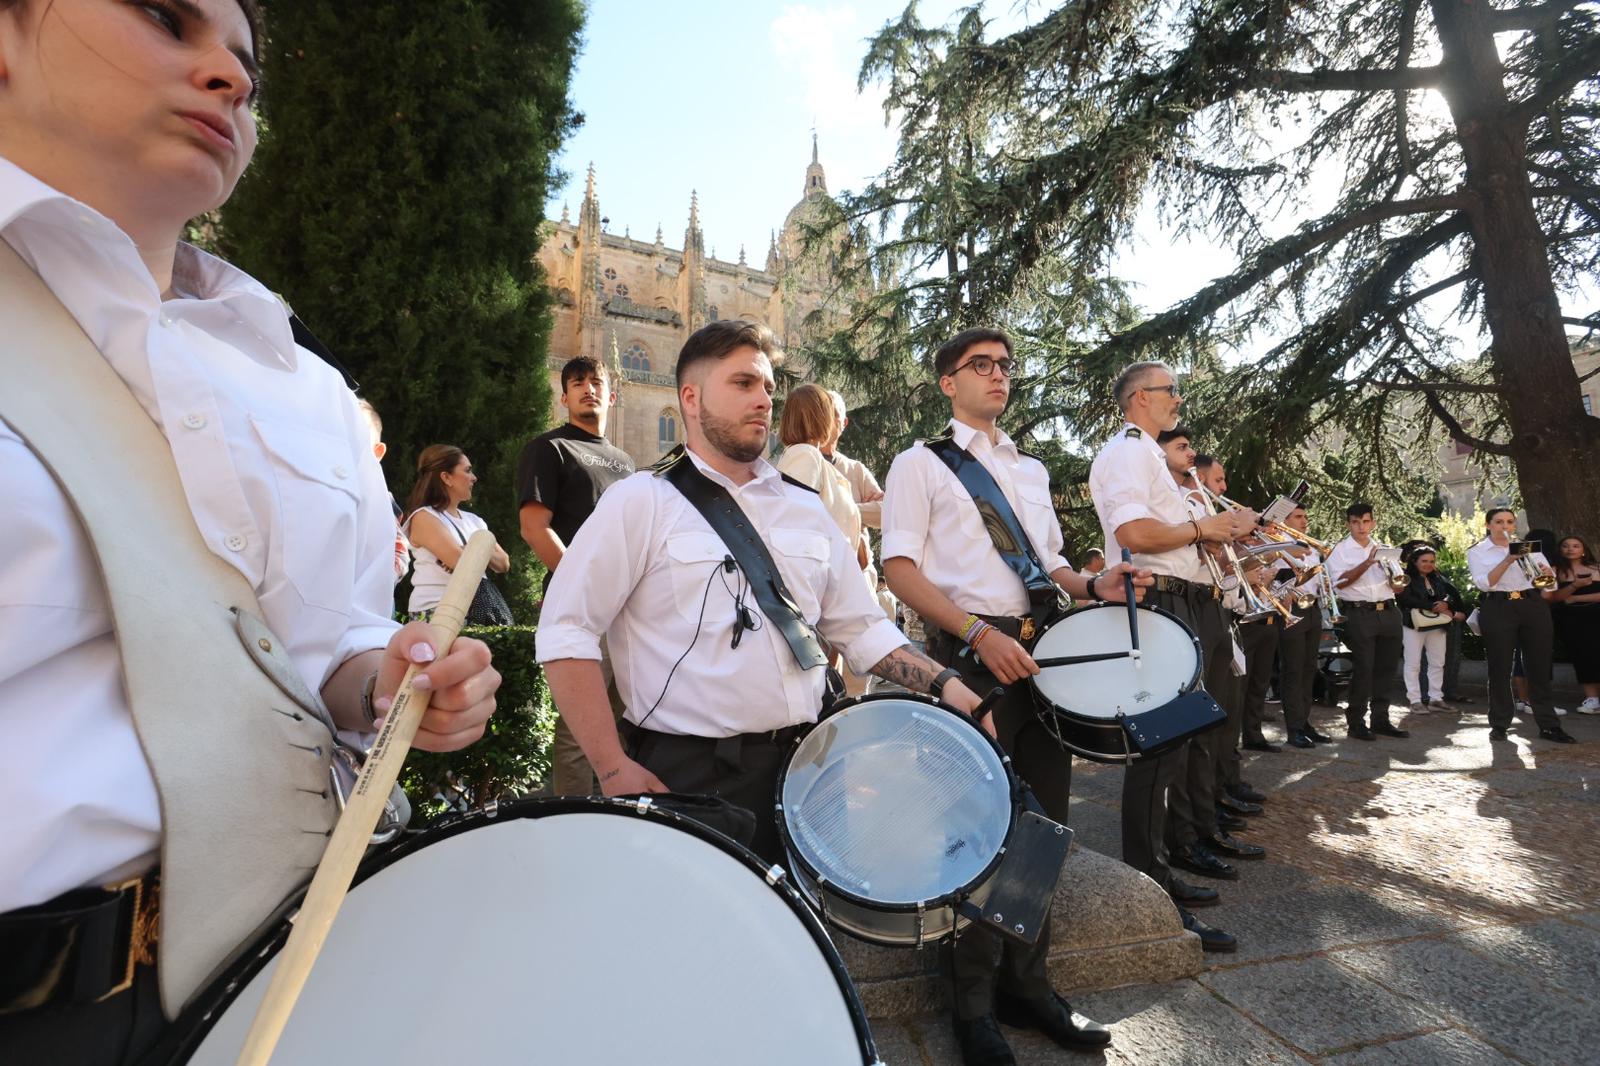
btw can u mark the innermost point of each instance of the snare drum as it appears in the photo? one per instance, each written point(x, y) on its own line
point(894, 811)
point(556, 931)
point(1120, 709)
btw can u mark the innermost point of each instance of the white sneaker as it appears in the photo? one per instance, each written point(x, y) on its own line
point(1589, 706)
point(1523, 708)
point(1561, 712)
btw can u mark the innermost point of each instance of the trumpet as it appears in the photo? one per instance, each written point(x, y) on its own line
point(1277, 530)
point(1537, 575)
point(1398, 578)
point(1256, 605)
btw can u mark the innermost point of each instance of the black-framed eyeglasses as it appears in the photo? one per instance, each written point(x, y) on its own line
point(984, 366)
point(1170, 390)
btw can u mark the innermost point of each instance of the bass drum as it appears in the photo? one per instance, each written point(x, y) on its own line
point(556, 931)
point(1117, 709)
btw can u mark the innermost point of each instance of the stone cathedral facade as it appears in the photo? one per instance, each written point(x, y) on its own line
point(632, 304)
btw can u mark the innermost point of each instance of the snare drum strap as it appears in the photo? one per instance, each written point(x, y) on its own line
point(738, 533)
point(1005, 530)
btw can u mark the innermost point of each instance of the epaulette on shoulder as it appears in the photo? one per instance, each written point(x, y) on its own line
point(1133, 431)
point(948, 434)
point(1035, 456)
point(799, 484)
point(668, 461)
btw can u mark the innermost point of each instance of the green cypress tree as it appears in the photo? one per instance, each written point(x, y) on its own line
point(396, 200)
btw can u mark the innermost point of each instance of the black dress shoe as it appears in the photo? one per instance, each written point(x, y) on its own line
point(1498, 734)
point(1237, 849)
point(1361, 732)
point(1557, 734)
point(1210, 939)
point(982, 1044)
point(1238, 806)
point(1320, 738)
point(1458, 699)
point(1197, 860)
point(1300, 740)
point(1261, 745)
point(1387, 730)
point(1186, 895)
point(1054, 1018)
point(1227, 820)
point(1243, 791)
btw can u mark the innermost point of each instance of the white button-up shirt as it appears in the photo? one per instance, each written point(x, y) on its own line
point(1484, 556)
point(931, 519)
point(646, 571)
point(1129, 480)
point(1373, 585)
point(260, 430)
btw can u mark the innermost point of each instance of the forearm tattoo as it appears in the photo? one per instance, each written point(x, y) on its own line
point(908, 669)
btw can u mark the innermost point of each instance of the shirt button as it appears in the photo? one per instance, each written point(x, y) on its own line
point(195, 421)
point(234, 542)
point(340, 472)
point(165, 319)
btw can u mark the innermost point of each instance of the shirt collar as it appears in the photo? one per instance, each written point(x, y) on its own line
point(964, 436)
point(1150, 442)
point(198, 275)
point(767, 475)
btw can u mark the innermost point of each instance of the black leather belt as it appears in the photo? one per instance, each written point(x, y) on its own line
point(81, 947)
point(1366, 605)
point(1179, 587)
point(1519, 594)
point(777, 737)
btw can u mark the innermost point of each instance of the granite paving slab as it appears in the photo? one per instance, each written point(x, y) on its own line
point(1447, 1047)
point(1319, 1007)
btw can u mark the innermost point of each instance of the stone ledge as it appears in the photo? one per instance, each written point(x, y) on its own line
point(1112, 926)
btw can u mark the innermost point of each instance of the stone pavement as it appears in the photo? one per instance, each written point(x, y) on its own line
point(1429, 900)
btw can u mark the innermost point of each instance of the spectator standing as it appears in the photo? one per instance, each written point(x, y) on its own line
point(1094, 561)
point(1429, 593)
point(560, 477)
point(1575, 607)
point(863, 485)
point(402, 547)
point(437, 525)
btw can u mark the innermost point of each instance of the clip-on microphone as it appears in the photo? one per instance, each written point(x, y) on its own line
point(743, 619)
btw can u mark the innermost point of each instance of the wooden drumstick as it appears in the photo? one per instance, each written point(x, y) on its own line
point(351, 834)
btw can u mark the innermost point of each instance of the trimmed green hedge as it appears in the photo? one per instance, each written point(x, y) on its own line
point(513, 757)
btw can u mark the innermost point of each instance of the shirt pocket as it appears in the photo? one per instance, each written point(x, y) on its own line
point(968, 518)
point(317, 521)
point(802, 555)
point(1038, 517)
point(691, 557)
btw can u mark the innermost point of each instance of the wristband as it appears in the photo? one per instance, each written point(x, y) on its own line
point(368, 715)
point(1094, 593)
point(1196, 526)
point(977, 637)
point(936, 686)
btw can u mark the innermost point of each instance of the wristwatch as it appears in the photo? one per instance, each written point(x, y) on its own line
point(936, 686)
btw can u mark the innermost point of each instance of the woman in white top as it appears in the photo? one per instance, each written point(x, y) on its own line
point(438, 527)
point(119, 122)
point(809, 424)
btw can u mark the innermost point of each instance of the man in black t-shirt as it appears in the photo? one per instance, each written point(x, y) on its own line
point(559, 479)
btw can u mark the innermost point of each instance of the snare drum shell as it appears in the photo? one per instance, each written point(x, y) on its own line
point(557, 931)
point(899, 923)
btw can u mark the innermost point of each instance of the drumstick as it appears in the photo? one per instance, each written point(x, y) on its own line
point(1133, 610)
point(353, 831)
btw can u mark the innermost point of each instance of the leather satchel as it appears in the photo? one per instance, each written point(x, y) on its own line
point(239, 747)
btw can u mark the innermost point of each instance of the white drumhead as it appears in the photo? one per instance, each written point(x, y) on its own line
point(561, 939)
point(897, 801)
point(1115, 686)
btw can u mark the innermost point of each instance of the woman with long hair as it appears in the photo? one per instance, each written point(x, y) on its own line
point(1429, 605)
point(439, 527)
point(1575, 603)
point(809, 428)
point(119, 123)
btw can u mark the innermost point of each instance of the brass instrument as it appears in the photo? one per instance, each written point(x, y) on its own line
point(1256, 606)
point(1538, 576)
point(1278, 531)
point(1330, 601)
point(1398, 578)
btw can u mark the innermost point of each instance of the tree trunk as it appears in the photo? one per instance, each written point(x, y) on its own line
point(1554, 444)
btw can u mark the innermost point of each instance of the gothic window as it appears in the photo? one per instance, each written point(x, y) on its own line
point(636, 358)
point(611, 275)
point(622, 289)
point(712, 315)
point(667, 430)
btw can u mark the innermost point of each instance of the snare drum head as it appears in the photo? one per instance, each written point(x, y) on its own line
point(896, 801)
point(1168, 667)
point(568, 938)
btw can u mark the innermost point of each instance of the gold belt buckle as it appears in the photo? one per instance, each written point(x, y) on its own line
point(1027, 629)
point(1381, 605)
point(142, 937)
point(1514, 595)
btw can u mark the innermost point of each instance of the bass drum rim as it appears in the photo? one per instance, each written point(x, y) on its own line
point(196, 1021)
point(809, 881)
point(1050, 714)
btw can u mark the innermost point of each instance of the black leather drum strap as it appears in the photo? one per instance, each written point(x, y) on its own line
point(1005, 530)
point(723, 515)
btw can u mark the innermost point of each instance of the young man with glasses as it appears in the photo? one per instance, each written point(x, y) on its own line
point(1143, 508)
point(982, 615)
